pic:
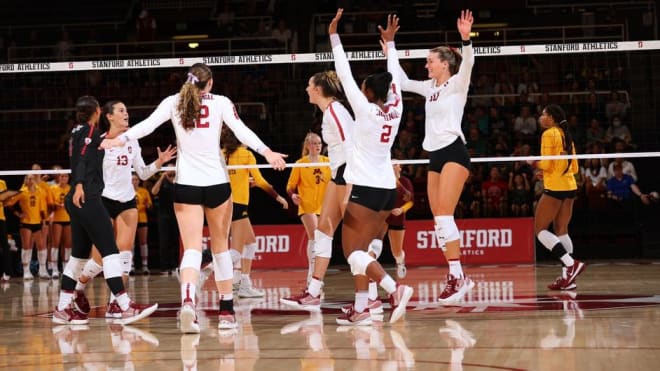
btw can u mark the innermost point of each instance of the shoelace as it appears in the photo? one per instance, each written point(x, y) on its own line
point(450, 286)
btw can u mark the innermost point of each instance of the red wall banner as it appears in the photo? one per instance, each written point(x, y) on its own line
point(483, 241)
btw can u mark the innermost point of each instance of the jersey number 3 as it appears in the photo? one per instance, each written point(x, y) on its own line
point(203, 114)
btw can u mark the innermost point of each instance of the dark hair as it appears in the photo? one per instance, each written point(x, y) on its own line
point(228, 141)
point(559, 116)
point(86, 108)
point(449, 55)
point(108, 108)
point(189, 96)
point(379, 84)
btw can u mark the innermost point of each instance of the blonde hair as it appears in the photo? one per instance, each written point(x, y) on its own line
point(189, 96)
point(329, 83)
point(308, 138)
point(450, 55)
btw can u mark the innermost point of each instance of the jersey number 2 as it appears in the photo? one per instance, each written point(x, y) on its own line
point(386, 134)
point(203, 114)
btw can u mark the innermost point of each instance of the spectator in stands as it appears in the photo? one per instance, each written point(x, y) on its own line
point(520, 194)
point(615, 107)
point(618, 130)
point(469, 203)
point(621, 187)
point(627, 167)
point(283, 34)
point(524, 126)
point(577, 132)
point(592, 109)
point(595, 177)
point(64, 47)
point(496, 123)
point(527, 85)
point(225, 20)
point(504, 86)
point(477, 146)
point(145, 26)
point(482, 86)
point(494, 193)
point(595, 133)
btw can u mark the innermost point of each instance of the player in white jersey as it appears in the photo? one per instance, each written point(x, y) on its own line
point(377, 107)
point(201, 183)
point(119, 198)
point(446, 93)
point(325, 91)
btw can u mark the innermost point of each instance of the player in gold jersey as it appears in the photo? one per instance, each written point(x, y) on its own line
point(144, 203)
point(306, 187)
point(61, 229)
point(243, 241)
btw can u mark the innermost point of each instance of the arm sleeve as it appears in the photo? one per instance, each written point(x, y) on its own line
point(84, 151)
point(465, 69)
point(143, 171)
point(242, 132)
point(414, 86)
point(548, 148)
point(162, 114)
point(355, 97)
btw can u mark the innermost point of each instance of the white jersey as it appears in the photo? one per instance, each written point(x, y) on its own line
point(117, 164)
point(369, 162)
point(199, 159)
point(337, 131)
point(444, 103)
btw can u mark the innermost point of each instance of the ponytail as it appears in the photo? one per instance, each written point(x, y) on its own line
point(190, 98)
point(559, 116)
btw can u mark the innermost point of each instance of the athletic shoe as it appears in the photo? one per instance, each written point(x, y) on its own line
point(398, 301)
point(456, 336)
point(573, 271)
point(43, 274)
point(304, 301)
point(6, 277)
point(27, 275)
point(455, 289)
point(55, 274)
point(136, 312)
point(375, 307)
point(80, 302)
point(188, 318)
point(227, 320)
point(401, 270)
point(245, 291)
point(69, 316)
point(560, 284)
point(145, 270)
point(113, 311)
point(353, 318)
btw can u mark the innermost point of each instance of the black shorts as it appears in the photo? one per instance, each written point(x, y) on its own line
point(240, 212)
point(32, 227)
point(455, 152)
point(339, 178)
point(63, 224)
point(115, 207)
point(377, 199)
point(561, 195)
point(396, 221)
point(142, 225)
point(396, 227)
point(207, 196)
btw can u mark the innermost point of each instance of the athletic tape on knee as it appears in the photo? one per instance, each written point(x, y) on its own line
point(359, 260)
point(322, 245)
point(191, 259)
point(222, 266)
point(376, 247)
point(125, 257)
point(73, 267)
point(548, 239)
point(445, 230)
point(249, 251)
point(111, 266)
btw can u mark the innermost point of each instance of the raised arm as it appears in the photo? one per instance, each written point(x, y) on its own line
point(464, 26)
point(353, 92)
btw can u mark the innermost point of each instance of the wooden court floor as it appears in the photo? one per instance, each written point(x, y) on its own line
point(508, 322)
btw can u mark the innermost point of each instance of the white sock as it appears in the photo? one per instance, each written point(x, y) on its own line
point(373, 290)
point(42, 256)
point(123, 300)
point(65, 299)
point(388, 284)
point(245, 280)
point(361, 301)
point(401, 258)
point(455, 268)
point(567, 260)
point(315, 286)
point(188, 292)
point(67, 253)
point(566, 241)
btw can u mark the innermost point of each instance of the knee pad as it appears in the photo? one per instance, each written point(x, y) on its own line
point(235, 258)
point(376, 247)
point(191, 259)
point(73, 267)
point(445, 230)
point(222, 266)
point(548, 239)
point(111, 266)
point(249, 251)
point(359, 260)
point(91, 269)
point(125, 257)
point(322, 245)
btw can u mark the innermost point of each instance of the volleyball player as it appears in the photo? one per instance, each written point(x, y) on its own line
point(201, 184)
point(61, 228)
point(144, 203)
point(33, 212)
point(119, 198)
point(5, 265)
point(325, 91)
point(90, 222)
point(306, 187)
point(46, 223)
point(243, 241)
point(559, 192)
point(446, 93)
point(378, 108)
